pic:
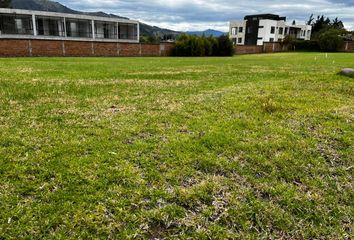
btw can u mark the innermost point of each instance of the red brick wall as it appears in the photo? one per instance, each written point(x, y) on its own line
point(246, 49)
point(347, 47)
point(106, 49)
point(42, 48)
point(78, 49)
point(129, 49)
point(150, 50)
point(52, 48)
point(166, 49)
point(14, 48)
point(270, 47)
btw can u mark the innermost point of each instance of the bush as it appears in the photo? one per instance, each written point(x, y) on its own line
point(330, 40)
point(302, 45)
point(226, 47)
point(203, 46)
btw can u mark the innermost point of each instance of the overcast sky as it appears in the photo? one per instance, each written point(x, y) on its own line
point(186, 15)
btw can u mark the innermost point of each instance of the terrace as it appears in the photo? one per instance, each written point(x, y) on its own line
point(26, 24)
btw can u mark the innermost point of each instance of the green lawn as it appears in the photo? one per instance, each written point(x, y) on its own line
point(248, 147)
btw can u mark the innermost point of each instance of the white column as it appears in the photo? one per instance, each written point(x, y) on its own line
point(138, 32)
point(65, 33)
point(93, 29)
point(34, 25)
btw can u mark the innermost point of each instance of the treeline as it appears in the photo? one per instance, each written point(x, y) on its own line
point(327, 35)
point(5, 3)
point(195, 46)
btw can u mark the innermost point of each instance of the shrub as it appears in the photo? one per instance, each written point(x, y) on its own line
point(203, 46)
point(226, 47)
point(330, 40)
point(302, 45)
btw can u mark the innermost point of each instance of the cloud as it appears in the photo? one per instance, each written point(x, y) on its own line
point(186, 15)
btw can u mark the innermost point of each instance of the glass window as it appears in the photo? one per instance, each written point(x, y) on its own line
point(271, 40)
point(272, 30)
point(240, 29)
point(16, 24)
point(128, 31)
point(234, 31)
point(239, 40)
point(281, 31)
point(49, 26)
point(79, 28)
point(106, 30)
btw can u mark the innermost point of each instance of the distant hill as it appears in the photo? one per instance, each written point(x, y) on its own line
point(209, 32)
point(51, 6)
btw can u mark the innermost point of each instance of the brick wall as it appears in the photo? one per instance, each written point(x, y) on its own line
point(248, 49)
point(271, 47)
point(58, 48)
point(347, 47)
point(14, 48)
point(45, 48)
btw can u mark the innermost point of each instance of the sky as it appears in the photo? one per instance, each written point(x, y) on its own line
point(191, 15)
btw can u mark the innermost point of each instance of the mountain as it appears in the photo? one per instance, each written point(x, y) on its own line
point(51, 6)
point(209, 32)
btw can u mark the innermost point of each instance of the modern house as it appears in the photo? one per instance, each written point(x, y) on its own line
point(257, 29)
point(25, 24)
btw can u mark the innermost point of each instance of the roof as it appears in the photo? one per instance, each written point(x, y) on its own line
point(265, 16)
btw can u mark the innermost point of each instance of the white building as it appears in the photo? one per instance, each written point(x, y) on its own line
point(16, 23)
point(257, 29)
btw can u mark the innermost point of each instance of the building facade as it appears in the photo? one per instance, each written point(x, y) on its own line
point(25, 24)
point(257, 29)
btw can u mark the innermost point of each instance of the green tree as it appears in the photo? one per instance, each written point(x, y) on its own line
point(226, 48)
point(322, 24)
point(5, 3)
point(330, 40)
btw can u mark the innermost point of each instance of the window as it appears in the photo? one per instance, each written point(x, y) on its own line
point(239, 40)
point(286, 30)
point(234, 31)
point(50, 26)
point(249, 30)
point(16, 24)
point(271, 40)
point(260, 38)
point(128, 31)
point(272, 30)
point(260, 26)
point(234, 40)
point(240, 29)
point(106, 30)
point(281, 31)
point(79, 28)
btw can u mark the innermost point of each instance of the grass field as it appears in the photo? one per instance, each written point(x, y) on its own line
point(249, 147)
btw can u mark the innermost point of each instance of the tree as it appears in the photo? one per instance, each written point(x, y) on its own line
point(226, 47)
point(337, 24)
point(322, 24)
point(310, 21)
point(330, 40)
point(203, 46)
point(5, 3)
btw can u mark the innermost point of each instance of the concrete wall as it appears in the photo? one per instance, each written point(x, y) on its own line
point(62, 48)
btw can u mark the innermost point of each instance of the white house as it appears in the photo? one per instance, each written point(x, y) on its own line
point(17, 23)
point(257, 29)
